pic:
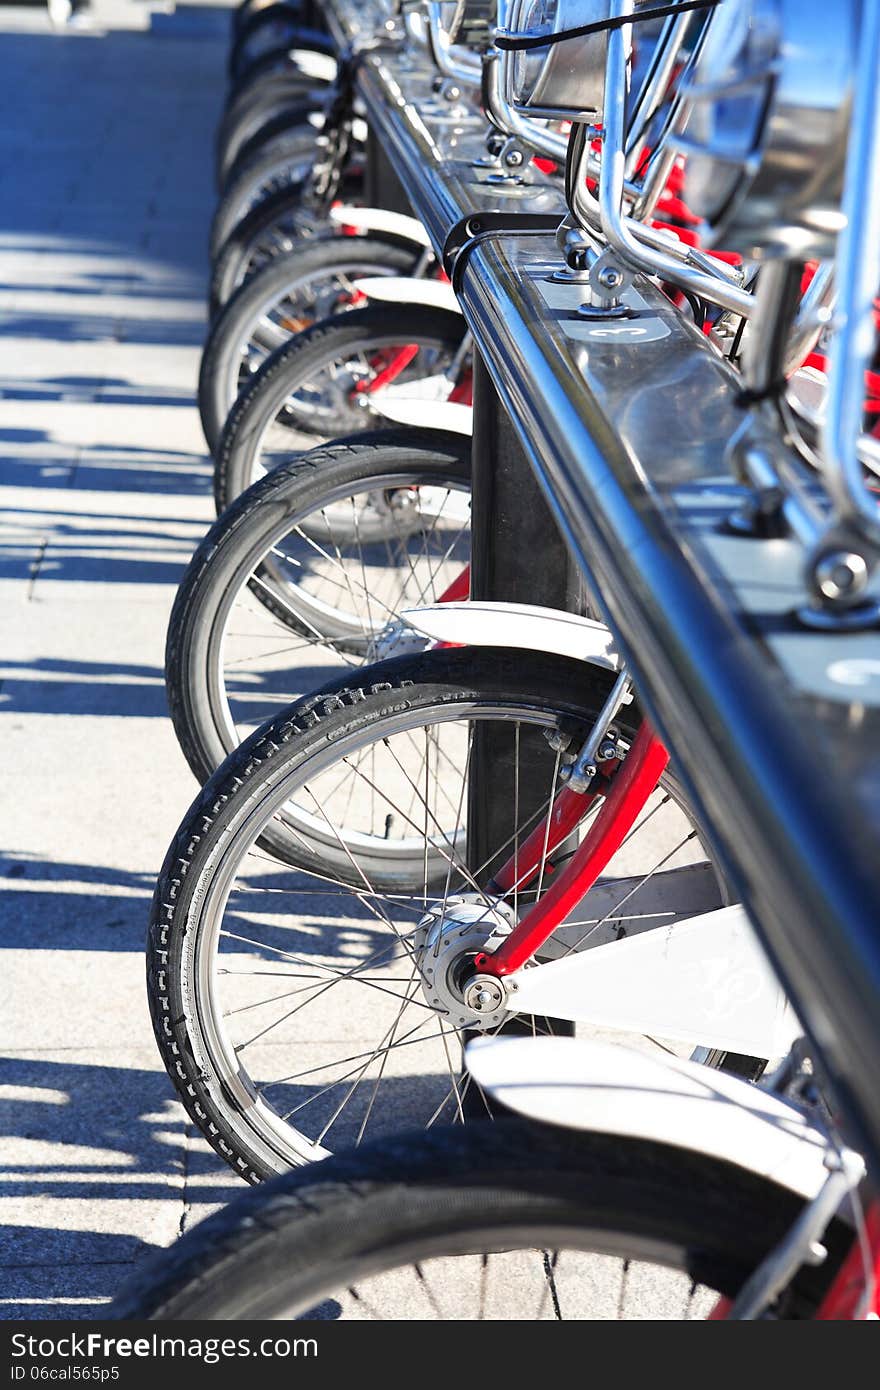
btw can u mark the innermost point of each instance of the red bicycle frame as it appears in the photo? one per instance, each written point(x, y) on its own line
point(459, 589)
point(629, 786)
point(627, 791)
point(399, 361)
point(842, 1301)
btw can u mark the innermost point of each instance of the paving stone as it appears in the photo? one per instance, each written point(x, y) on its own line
point(70, 1292)
point(104, 493)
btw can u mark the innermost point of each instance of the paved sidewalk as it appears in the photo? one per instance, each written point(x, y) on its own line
point(105, 196)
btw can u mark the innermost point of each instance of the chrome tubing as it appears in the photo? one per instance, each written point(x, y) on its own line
point(414, 25)
point(664, 155)
point(656, 83)
point(813, 317)
point(634, 243)
point(453, 62)
point(531, 132)
point(858, 275)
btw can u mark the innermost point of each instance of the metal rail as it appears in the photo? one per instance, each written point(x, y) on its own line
point(774, 728)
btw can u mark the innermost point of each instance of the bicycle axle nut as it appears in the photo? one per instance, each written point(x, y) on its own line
point(484, 994)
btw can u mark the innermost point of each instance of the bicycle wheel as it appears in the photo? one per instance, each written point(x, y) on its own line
point(244, 135)
point(275, 226)
point(316, 386)
point(298, 578)
point(255, 105)
point(288, 294)
point(299, 1010)
point(289, 121)
point(501, 1221)
point(283, 164)
point(276, 30)
point(314, 58)
point(244, 13)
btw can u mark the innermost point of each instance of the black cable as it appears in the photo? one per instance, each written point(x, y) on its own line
point(698, 308)
point(750, 395)
point(573, 156)
point(523, 43)
point(737, 340)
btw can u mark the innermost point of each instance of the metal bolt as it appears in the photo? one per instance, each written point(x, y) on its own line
point(513, 158)
point(483, 996)
point(840, 574)
point(610, 278)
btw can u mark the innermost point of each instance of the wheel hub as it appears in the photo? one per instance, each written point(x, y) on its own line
point(447, 940)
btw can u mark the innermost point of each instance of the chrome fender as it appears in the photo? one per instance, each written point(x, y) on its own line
point(609, 1089)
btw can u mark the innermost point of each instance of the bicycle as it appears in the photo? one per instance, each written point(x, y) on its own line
point(600, 1213)
point(290, 293)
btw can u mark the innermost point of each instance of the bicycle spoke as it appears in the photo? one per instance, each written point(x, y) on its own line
point(382, 1049)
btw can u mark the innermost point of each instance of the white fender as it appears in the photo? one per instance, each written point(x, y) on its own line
point(517, 625)
point(608, 1089)
point(431, 415)
point(379, 220)
point(702, 980)
point(423, 403)
point(394, 289)
point(322, 66)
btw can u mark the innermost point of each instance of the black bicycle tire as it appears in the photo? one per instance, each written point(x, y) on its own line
point(297, 35)
point(253, 107)
point(288, 119)
point(233, 266)
point(283, 163)
point(220, 562)
point(303, 1236)
point(246, 136)
point(246, 9)
point(286, 207)
point(263, 396)
point(225, 332)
